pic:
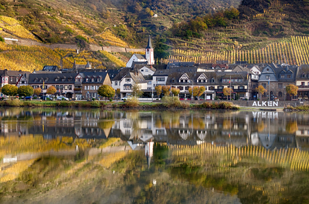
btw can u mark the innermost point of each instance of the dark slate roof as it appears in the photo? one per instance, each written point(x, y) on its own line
point(303, 72)
point(166, 72)
point(50, 68)
point(113, 72)
point(149, 45)
point(123, 72)
point(6, 72)
point(94, 75)
point(52, 78)
point(179, 64)
point(279, 70)
point(139, 56)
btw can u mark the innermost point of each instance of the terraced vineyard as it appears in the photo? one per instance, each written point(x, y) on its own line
point(294, 51)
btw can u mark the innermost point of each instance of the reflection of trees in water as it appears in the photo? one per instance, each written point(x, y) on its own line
point(261, 126)
point(198, 123)
point(291, 127)
point(170, 119)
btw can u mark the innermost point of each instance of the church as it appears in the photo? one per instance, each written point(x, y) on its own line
point(148, 58)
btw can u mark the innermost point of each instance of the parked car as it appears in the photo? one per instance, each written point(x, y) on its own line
point(28, 98)
point(62, 98)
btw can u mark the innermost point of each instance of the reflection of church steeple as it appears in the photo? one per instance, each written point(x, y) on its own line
point(149, 151)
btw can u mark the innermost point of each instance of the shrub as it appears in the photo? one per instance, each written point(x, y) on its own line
point(173, 101)
point(15, 102)
point(206, 105)
point(95, 104)
point(225, 105)
point(65, 104)
point(132, 102)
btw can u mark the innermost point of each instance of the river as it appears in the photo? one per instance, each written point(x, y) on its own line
point(51, 155)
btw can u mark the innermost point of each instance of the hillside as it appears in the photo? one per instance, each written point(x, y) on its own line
point(265, 31)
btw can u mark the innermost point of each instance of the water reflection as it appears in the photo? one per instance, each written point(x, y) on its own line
point(268, 129)
point(153, 157)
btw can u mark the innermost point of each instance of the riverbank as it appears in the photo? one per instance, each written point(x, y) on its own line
point(120, 105)
point(302, 108)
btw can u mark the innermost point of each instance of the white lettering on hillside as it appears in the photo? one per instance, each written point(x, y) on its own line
point(266, 104)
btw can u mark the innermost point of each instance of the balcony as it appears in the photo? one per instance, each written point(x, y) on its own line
point(303, 88)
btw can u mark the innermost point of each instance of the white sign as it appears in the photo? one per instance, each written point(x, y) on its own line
point(9, 160)
point(266, 104)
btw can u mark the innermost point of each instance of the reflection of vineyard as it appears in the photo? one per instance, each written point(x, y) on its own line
point(293, 52)
point(250, 172)
point(294, 159)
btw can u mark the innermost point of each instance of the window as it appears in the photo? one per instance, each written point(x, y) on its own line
point(280, 85)
point(92, 80)
point(280, 94)
point(146, 70)
point(116, 83)
point(149, 82)
point(142, 70)
point(308, 83)
point(85, 87)
point(98, 79)
point(128, 80)
point(267, 76)
point(289, 76)
point(65, 87)
point(281, 76)
point(57, 87)
point(303, 83)
point(87, 79)
point(241, 87)
point(161, 79)
point(70, 87)
point(61, 87)
point(220, 87)
point(264, 85)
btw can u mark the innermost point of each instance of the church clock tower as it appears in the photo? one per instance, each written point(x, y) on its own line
point(149, 53)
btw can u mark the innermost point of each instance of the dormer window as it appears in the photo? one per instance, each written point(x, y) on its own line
point(98, 79)
point(87, 79)
point(267, 76)
point(289, 76)
point(303, 75)
point(92, 80)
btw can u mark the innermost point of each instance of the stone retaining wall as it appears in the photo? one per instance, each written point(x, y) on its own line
point(90, 47)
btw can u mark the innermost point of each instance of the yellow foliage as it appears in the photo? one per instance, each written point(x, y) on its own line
point(114, 59)
point(111, 158)
point(13, 26)
point(12, 172)
point(109, 142)
point(112, 39)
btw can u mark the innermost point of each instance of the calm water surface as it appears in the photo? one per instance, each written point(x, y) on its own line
point(94, 156)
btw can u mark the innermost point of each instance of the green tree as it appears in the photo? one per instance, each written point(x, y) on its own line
point(25, 91)
point(106, 91)
point(158, 90)
point(37, 91)
point(51, 90)
point(9, 90)
point(136, 90)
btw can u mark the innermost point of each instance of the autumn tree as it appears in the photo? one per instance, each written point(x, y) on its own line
point(166, 90)
point(106, 91)
point(291, 89)
point(158, 90)
point(261, 90)
point(195, 91)
point(51, 90)
point(25, 91)
point(136, 90)
point(9, 90)
point(118, 92)
point(175, 91)
point(37, 91)
point(201, 90)
point(227, 91)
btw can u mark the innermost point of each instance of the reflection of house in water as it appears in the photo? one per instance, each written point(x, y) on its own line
point(149, 151)
point(272, 141)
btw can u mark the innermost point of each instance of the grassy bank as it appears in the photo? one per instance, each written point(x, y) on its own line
point(119, 105)
point(297, 108)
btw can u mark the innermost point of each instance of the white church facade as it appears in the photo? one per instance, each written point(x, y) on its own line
point(148, 57)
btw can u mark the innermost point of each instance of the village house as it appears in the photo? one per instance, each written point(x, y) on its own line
point(63, 82)
point(274, 78)
point(91, 81)
point(302, 81)
point(126, 79)
point(17, 78)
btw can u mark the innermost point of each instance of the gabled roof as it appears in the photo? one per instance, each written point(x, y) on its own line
point(123, 72)
point(303, 72)
point(96, 75)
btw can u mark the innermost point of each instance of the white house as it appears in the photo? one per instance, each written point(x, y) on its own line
point(126, 79)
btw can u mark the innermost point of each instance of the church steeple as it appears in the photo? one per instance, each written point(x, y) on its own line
point(149, 52)
point(149, 46)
